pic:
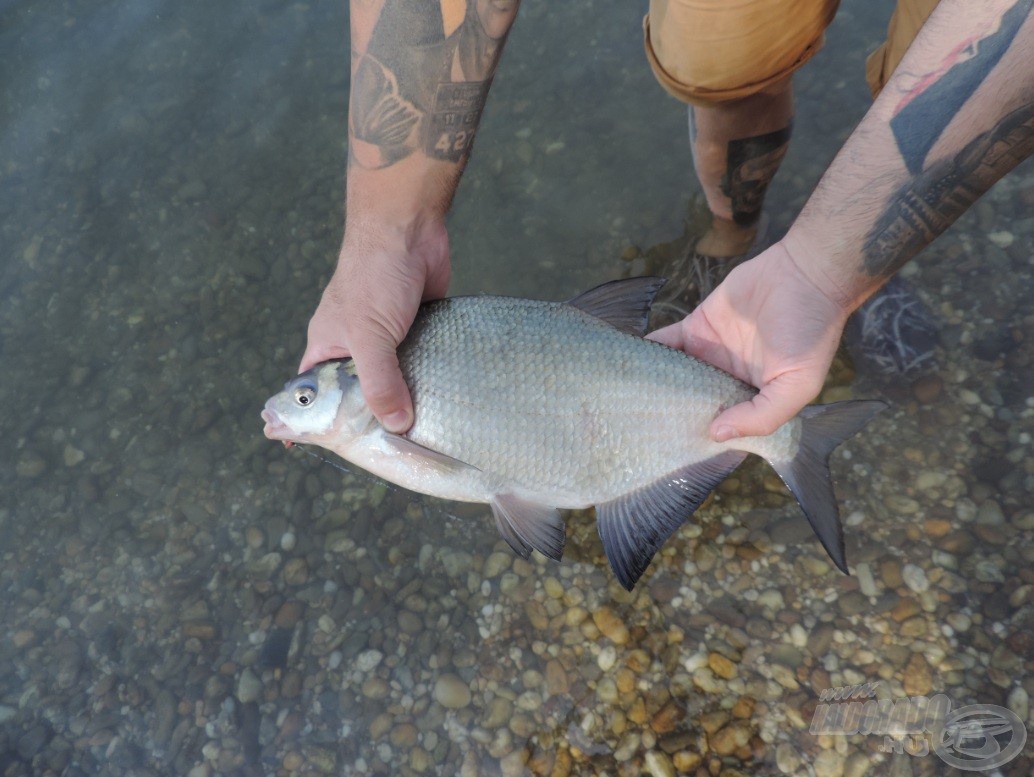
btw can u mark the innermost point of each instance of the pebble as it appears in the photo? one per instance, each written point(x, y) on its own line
point(368, 660)
point(866, 583)
point(721, 666)
point(659, 765)
point(610, 625)
point(288, 541)
point(607, 658)
point(249, 687)
point(787, 760)
point(296, 572)
point(829, 763)
point(451, 692)
point(1019, 702)
point(72, 456)
point(915, 578)
point(30, 465)
point(496, 564)
point(918, 677)
point(927, 388)
point(6, 713)
point(728, 740)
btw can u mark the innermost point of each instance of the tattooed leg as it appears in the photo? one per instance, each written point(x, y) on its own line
point(737, 148)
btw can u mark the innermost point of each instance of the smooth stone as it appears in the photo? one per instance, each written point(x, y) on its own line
point(1019, 702)
point(611, 625)
point(659, 765)
point(368, 660)
point(915, 578)
point(721, 666)
point(728, 740)
point(451, 692)
point(249, 687)
point(829, 763)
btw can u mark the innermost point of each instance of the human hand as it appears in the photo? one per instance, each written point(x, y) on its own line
point(367, 309)
point(769, 325)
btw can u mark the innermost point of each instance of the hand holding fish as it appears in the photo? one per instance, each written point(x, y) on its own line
point(771, 327)
point(368, 307)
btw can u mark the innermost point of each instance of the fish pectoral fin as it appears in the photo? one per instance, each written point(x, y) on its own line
point(624, 304)
point(526, 525)
point(439, 460)
point(633, 527)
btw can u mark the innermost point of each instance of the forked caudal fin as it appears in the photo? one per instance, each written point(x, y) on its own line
point(823, 428)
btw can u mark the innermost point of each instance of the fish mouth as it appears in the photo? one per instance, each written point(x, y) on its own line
point(275, 428)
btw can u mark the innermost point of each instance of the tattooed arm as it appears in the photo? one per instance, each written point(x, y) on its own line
point(420, 76)
point(957, 114)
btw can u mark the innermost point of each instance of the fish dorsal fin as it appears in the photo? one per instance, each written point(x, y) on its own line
point(624, 304)
point(633, 527)
point(434, 458)
point(525, 525)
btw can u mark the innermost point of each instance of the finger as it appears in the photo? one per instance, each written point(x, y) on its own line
point(779, 401)
point(670, 335)
point(316, 353)
point(383, 387)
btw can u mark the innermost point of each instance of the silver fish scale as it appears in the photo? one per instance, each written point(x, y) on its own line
point(550, 400)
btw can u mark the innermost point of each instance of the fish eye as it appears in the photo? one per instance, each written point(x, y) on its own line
point(304, 395)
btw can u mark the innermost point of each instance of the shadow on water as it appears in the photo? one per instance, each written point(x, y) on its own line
point(181, 596)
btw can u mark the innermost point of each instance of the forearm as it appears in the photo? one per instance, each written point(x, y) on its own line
point(420, 77)
point(956, 116)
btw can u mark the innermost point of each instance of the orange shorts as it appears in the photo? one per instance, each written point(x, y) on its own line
point(708, 51)
point(908, 17)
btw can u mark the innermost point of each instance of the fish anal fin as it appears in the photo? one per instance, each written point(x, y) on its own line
point(525, 524)
point(633, 527)
point(624, 304)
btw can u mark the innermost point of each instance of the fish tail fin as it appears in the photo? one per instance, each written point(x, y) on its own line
point(823, 428)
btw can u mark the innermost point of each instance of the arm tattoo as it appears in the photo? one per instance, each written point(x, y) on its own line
point(750, 166)
point(930, 105)
point(928, 204)
point(423, 80)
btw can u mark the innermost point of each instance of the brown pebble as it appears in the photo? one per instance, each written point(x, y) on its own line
point(625, 680)
point(296, 572)
point(199, 629)
point(289, 614)
point(23, 638)
point(918, 679)
point(293, 761)
point(556, 678)
point(667, 718)
point(731, 738)
point(404, 735)
point(685, 761)
point(610, 625)
point(890, 571)
point(905, 609)
point(927, 388)
point(936, 527)
point(744, 707)
point(712, 721)
point(721, 666)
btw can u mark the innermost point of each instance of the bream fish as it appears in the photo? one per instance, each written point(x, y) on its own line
point(533, 407)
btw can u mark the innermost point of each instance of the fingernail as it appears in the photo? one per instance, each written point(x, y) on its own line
point(397, 422)
point(723, 433)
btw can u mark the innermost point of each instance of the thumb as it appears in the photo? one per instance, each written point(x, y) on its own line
point(778, 401)
point(382, 384)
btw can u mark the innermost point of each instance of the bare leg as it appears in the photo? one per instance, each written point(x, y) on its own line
point(737, 147)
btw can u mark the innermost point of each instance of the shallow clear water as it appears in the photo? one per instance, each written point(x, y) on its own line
point(180, 595)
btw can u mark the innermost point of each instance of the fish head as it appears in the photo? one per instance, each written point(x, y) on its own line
point(322, 404)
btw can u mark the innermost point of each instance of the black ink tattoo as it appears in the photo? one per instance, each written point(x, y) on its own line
point(924, 112)
point(421, 85)
point(751, 165)
point(380, 116)
point(927, 205)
